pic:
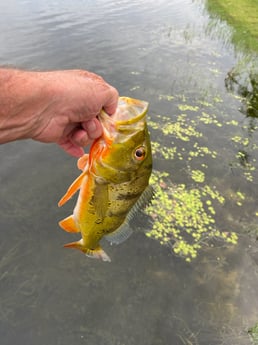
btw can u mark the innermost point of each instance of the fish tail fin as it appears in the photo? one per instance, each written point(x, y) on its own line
point(97, 253)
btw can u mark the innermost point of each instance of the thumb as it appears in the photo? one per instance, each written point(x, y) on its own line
point(111, 101)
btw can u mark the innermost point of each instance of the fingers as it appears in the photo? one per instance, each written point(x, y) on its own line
point(93, 128)
point(81, 137)
point(72, 149)
point(71, 119)
point(89, 131)
point(110, 104)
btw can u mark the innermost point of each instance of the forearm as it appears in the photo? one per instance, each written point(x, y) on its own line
point(54, 106)
point(21, 97)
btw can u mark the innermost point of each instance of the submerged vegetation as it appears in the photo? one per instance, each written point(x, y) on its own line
point(246, 86)
point(242, 16)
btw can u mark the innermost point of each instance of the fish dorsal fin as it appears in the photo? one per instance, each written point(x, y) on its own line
point(83, 161)
point(143, 201)
point(120, 235)
point(125, 231)
point(72, 189)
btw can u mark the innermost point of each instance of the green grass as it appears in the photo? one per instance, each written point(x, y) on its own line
point(242, 16)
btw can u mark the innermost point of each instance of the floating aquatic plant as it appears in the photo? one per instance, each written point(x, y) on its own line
point(187, 216)
point(183, 218)
point(198, 175)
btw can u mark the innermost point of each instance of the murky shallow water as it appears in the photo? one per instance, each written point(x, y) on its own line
point(150, 50)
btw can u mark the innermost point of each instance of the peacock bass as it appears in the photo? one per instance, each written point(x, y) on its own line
point(114, 182)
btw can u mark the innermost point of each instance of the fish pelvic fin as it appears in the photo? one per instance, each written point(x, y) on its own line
point(72, 189)
point(97, 253)
point(83, 161)
point(68, 224)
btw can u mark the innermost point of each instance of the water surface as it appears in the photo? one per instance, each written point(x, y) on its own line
point(171, 54)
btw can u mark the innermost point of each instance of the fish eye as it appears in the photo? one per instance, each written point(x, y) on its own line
point(140, 153)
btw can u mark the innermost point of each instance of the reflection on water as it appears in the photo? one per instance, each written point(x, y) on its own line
point(247, 89)
point(162, 52)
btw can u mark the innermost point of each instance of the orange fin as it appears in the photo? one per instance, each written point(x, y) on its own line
point(97, 253)
point(68, 224)
point(83, 161)
point(72, 189)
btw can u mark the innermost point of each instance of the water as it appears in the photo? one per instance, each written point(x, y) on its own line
point(151, 50)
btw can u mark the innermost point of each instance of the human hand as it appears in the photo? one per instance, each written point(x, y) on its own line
point(69, 117)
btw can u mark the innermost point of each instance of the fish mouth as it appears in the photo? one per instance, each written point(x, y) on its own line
point(129, 112)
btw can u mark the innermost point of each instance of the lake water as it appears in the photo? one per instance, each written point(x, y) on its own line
point(174, 55)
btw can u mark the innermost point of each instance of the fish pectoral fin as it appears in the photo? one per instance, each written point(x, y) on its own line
point(68, 224)
point(83, 161)
point(72, 189)
point(97, 253)
point(100, 200)
point(119, 235)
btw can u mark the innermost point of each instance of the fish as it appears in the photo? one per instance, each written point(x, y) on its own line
point(114, 183)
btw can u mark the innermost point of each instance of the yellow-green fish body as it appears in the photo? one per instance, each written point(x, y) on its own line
point(114, 181)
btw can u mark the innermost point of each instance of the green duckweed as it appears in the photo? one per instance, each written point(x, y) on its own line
point(183, 218)
point(187, 216)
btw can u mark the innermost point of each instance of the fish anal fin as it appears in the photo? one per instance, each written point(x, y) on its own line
point(76, 245)
point(72, 189)
point(119, 235)
point(97, 253)
point(83, 161)
point(69, 225)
